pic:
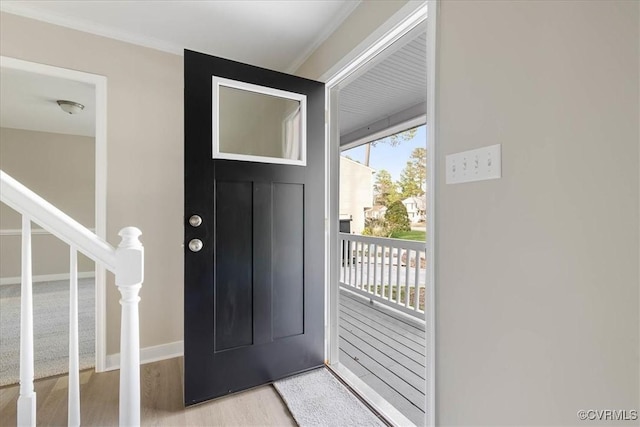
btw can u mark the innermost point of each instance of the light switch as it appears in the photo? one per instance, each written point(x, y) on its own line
point(474, 165)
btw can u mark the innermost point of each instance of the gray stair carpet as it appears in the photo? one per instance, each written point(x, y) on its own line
point(51, 328)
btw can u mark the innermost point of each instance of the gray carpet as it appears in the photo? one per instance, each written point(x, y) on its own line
point(51, 328)
point(317, 398)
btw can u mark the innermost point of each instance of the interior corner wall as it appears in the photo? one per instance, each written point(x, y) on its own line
point(537, 290)
point(144, 157)
point(61, 169)
point(362, 22)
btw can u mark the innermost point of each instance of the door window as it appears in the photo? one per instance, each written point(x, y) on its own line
point(257, 123)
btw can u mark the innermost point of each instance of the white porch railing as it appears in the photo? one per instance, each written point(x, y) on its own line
point(389, 271)
point(126, 262)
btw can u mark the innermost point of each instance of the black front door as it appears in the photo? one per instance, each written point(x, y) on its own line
point(253, 290)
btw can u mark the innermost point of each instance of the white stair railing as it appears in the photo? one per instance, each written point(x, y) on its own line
point(126, 262)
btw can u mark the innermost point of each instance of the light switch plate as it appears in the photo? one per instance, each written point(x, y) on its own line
point(474, 165)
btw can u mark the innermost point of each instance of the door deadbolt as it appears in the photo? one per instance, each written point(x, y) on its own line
point(195, 220)
point(195, 245)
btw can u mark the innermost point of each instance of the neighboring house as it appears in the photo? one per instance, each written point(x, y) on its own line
point(356, 192)
point(376, 212)
point(416, 208)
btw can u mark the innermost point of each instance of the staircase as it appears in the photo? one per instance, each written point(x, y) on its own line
point(126, 262)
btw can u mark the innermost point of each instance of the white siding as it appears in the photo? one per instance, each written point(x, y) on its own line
point(356, 192)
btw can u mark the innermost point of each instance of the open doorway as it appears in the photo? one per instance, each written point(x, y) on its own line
point(60, 153)
point(381, 269)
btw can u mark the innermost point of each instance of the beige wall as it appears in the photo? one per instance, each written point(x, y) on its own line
point(537, 286)
point(145, 157)
point(60, 168)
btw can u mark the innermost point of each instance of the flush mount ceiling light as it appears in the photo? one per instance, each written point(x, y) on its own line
point(70, 106)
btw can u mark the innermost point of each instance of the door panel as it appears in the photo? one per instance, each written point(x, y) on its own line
point(254, 300)
point(288, 260)
point(233, 295)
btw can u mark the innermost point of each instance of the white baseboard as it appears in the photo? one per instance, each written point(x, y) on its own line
point(149, 354)
point(46, 278)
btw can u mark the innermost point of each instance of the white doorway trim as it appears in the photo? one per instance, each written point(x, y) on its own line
point(100, 85)
point(346, 69)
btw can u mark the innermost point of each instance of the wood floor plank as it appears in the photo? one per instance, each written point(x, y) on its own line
point(384, 308)
point(388, 317)
point(387, 320)
point(392, 379)
point(386, 351)
point(161, 401)
point(409, 410)
point(407, 349)
point(413, 375)
point(392, 331)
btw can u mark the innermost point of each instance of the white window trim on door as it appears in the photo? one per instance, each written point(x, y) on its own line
point(216, 82)
point(100, 85)
point(409, 18)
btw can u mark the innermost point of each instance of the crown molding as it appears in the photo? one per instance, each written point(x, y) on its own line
point(349, 7)
point(31, 12)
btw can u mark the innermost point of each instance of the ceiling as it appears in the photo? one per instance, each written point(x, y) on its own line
point(390, 92)
point(28, 101)
point(278, 35)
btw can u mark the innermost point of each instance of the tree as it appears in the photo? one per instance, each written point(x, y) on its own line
point(397, 218)
point(386, 191)
point(392, 140)
point(413, 179)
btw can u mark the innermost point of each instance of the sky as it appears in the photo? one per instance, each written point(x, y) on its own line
point(393, 159)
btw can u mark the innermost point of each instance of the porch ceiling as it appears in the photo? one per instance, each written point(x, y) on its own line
point(392, 91)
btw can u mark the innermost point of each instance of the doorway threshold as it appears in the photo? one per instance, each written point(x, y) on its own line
point(370, 396)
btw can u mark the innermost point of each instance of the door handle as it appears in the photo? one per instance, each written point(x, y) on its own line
point(195, 245)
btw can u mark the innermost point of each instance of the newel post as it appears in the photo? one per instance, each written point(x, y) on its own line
point(129, 278)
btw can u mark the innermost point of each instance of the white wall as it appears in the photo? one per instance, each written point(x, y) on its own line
point(144, 157)
point(60, 168)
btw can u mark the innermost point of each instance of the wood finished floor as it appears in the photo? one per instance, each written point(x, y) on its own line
point(161, 401)
point(385, 351)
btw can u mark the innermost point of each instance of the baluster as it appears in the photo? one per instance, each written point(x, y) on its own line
point(343, 267)
point(74, 355)
point(27, 398)
point(351, 258)
point(406, 279)
point(354, 245)
point(368, 269)
point(417, 282)
point(398, 259)
point(129, 277)
point(361, 245)
point(375, 269)
point(389, 272)
point(382, 272)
